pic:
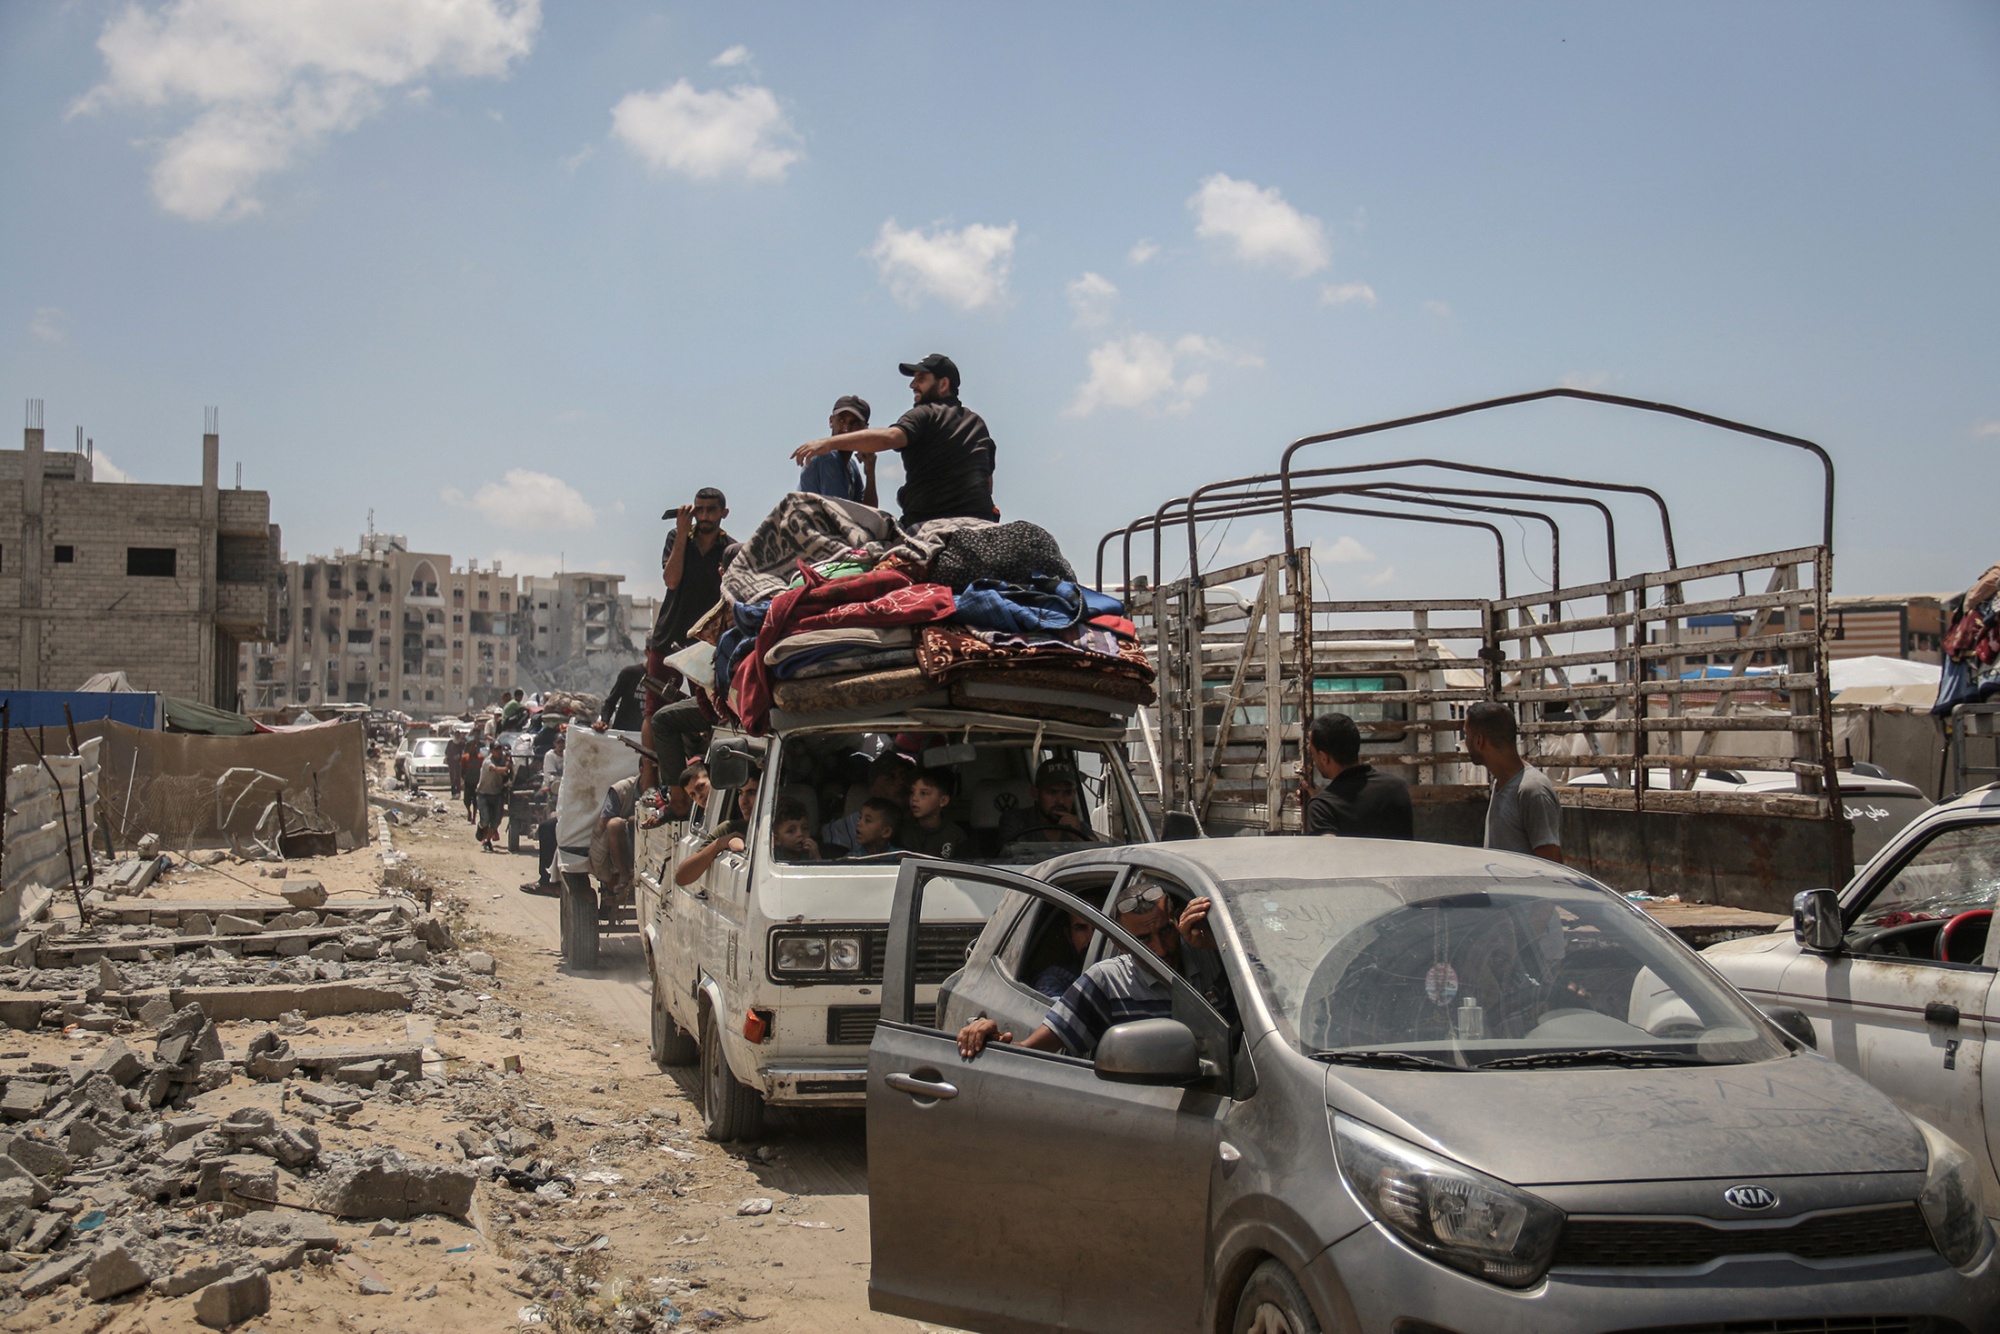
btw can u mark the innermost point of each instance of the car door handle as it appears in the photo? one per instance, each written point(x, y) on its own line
point(1941, 1012)
point(921, 1088)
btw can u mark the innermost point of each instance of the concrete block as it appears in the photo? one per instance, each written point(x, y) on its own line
point(231, 925)
point(290, 947)
point(304, 893)
point(233, 1300)
point(315, 1000)
point(240, 1182)
point(46, 1234)
point(40, 1156)
point(177, 1128)
point(108, 976)
point(120, 1063)
point(23, 1009)
point(382, 1183)
point(480, 963)
point(328, 951)
point(155, 1011)
point(364, 1073)
point(410, 951)
point(53, 1274)
point(362, 947)
point(197, 924)
point(121, 1267)
point(12, 1169)
point(24, 1099)
point(194, 1277)
point(282, 1227)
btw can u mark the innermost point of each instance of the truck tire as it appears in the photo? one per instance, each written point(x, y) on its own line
point(579, 936)
point(670, 1045)
point(513, 835)
point(729, 1110)
point(1273, 1303)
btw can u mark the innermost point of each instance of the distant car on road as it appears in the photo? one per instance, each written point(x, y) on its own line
point(1896, 972)
point(1414, 1087)
point(424, 763)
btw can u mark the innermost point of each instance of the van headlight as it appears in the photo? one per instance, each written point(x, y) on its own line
point(1951, 1199)
point(799, 954)
point(1446, 1210)
point(843, 954)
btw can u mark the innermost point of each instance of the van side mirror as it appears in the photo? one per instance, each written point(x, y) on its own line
point(1148, 1051)
point(728, 768)
point(1795, 1024)
point(1180, 826)
point(1816, 920)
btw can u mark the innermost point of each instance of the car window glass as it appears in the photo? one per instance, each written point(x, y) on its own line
point(1956, 871)
point(1047, 948)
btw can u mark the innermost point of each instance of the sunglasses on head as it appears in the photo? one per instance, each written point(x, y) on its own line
point(1139, 900)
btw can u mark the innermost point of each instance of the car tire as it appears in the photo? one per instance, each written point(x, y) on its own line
point(1274, 1303)
point(670, 1045)
point(579, 923)
point(729, 1110)
point(513, 836)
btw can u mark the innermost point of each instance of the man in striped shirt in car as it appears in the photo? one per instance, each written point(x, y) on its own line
point(1114, 990)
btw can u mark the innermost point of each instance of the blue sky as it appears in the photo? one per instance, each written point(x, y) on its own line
point(428, 255)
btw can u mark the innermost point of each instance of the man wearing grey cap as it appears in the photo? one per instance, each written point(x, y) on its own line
point(1055, 817)
point(836, 473)
point(946, 448)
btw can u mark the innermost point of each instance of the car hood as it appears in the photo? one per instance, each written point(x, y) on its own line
point(1798, 1116)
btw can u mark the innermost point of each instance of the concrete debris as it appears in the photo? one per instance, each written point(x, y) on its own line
point(382, 1183)
point(54, 1273)
point(233, 1300)
point(480, 963)
point(304, 893)
point(123, 1265)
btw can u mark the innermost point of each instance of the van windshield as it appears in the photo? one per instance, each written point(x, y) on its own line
point(1483, 973)
point(987, 796)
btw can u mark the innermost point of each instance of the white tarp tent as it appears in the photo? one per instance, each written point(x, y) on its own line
point(1846, 673)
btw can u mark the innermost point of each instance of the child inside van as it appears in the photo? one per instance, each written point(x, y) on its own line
point(875, 827)
point(927, 830)
point(791, 832)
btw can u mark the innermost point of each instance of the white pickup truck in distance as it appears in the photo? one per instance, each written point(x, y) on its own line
point(767, 967)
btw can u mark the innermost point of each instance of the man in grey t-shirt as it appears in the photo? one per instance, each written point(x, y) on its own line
point(1523, 814)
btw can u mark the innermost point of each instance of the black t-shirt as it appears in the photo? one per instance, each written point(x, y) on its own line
point(699, 590)
point(948, 463)
point(625, 707)
point(1362, 802)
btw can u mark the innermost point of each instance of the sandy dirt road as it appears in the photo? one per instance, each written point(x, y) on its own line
point(803, 1268)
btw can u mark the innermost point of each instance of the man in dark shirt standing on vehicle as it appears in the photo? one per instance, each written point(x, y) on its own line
point(691, 568)
point(946, 448)
point(1359, 800)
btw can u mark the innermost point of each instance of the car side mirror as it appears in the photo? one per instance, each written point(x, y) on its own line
point(1180, 826)
point(728, 768)
point(1148, 1051)
point(1816, 920)
point(1795, 1024)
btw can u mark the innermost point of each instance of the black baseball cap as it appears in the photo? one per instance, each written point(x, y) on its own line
point(853, 403)
point(1055, 771)
point(937, 363)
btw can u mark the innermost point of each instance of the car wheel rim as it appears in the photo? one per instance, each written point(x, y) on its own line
point(1269, 1320)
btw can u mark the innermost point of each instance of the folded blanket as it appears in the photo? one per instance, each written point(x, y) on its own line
point(859, 637)
point(1008, 553)
point(917, 604)
point(842, 662)
point(853, 692)
point(946, 652)
point(813, 529)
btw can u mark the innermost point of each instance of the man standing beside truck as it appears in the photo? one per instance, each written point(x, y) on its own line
point(1523, 814)
point(947, 450)
point(1359, 800)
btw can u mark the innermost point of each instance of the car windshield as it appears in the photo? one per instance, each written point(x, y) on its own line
point(1483, 972)
point(993, 809)
point(429, 748)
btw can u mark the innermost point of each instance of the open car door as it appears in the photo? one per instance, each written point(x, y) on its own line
point(1026, 1190)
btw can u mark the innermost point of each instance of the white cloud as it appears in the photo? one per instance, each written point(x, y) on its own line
point(268, 82)
point(49, 325)
point(1989, 427)
point(1441, 309)
point(735, 55)
point(527, 501)
point(1143, 252)
point(1091, 297)
point(102, 469)
point(739, 131)
point(966, 268)
point(1146, 374)
point(1260, 226)
point(1345, 294)
point(1347, 551)
point(1380, 577)
point(579, 157)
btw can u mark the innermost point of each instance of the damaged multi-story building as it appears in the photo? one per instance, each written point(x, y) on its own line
point(388, 627)
point(160, 582)
point(577, 630)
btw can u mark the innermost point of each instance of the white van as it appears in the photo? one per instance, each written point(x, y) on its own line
point(769, 971)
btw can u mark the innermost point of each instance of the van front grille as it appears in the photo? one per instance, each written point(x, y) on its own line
point(1620, 1243)
point(854, 1025)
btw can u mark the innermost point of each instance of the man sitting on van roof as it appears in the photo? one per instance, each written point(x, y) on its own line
point(1115, 990)
point(1055, 816)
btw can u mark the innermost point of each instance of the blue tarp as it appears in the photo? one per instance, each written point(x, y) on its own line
point(44, 708)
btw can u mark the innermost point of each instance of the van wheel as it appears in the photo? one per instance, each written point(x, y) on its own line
point(1273, 1303)
point(728, 1109)
point(670, 1045)
point(579, 923)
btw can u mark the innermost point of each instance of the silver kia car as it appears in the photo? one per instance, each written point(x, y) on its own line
point(1401, 1088)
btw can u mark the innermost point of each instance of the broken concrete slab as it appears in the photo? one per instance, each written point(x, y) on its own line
point(52, 1275)
point(410, 951)
point(315, 1000)
point(284, 1227)
point(240, 1182)
point(23, 1009)
point(194, 1276)
point(24, 1099)
point(122, 1265)
point(322, 1061)
point(120, 1063)
point(177, 1128)
point(39, 1156)
point(304, 893)
point(365, 1074)
point(197, 924)
point(233, 1300)
point(12, 1169)
point(155, 1010)
point(382, 1183)
point(481, 963)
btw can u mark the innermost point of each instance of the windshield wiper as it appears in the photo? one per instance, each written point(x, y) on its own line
point(1625, 1056)
point(1396, 1060)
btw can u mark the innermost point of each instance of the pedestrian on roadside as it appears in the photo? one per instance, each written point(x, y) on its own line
point(838, 474)
point(468, 777)
point(454, 752)
point(496, 781)
point(947, 450)
point(1523, 815)
point(1359, 800)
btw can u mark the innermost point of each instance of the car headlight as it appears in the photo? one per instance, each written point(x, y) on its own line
point(843, 954)
point(1446, 1210)
point(799, 954)
point(1951, 1199)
